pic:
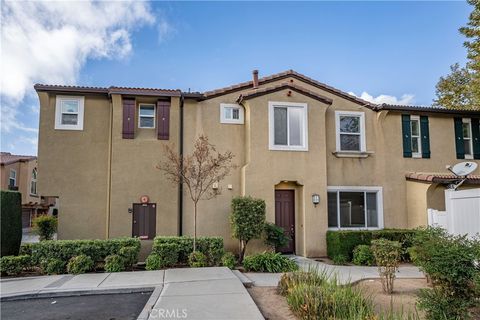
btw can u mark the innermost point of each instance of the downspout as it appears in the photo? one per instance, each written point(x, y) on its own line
point(180, 185)
point(109, 171)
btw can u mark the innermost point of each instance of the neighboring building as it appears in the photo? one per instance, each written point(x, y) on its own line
point(20, 173)
point(295, 140)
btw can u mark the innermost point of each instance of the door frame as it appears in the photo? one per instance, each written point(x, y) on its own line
point(293, 191)
point(153, 206)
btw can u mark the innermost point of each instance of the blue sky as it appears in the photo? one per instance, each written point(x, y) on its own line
point(389, 51)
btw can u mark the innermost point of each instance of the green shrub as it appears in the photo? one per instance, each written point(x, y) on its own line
point(10, 222)
point(452, 263)
point(344, 241)
point(80, 264)
point(269, 262)
point(45, 226)
point(340, 259)
point(212, 247)
point(387, 256)
point(53, 266)
point(64, 250)
point(114, 263)
point(228, 260)
point(363, 255)
point(247, 220)
point(275, 236)
point(293, 279)
point(168, 253)
point(197, 260)
point(129, 255)
point(153, 262)
point(14, 265)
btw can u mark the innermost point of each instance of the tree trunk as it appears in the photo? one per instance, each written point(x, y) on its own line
point(194, 226)
point(242, 250)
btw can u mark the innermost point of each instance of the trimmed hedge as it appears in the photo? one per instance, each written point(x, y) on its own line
point(343, 242)
point(14, 265)
point(211, 247)
point(64, 250)
point(11, 222)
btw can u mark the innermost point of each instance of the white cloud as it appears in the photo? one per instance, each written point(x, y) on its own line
point(405, 99)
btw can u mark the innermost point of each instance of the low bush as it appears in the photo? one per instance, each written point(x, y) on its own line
point(114, 263)
point(129, 255)
point(274, 236)
point(14, 265)
point(211, 247)
point(343, 242)
point(363, 255)
point(168, 253)
point(11, 222)
point(45, 226)
point(452, 264)
point(340, 259)
point(387, 256)
point(153, 262)
point(269, 262)
point(64, 250)
point(80, 264)
point(53, 266)
point(293, 279)
point(228, 260)
point(197, 260)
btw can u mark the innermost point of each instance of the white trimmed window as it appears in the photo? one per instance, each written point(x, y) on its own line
point(350, 131)
point(467, 138)
point(416, 136)
point(146, 116)
point(288, 126)
point(69, 112)
point(231, 113)
point(33, 182)
point(12, 179)
point(355, 208)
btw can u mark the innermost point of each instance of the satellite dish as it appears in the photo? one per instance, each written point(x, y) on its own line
point(463, 169)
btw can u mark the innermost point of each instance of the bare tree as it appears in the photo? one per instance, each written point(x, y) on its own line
point(198, 171)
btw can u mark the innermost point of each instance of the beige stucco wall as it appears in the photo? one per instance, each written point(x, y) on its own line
point(24, 171)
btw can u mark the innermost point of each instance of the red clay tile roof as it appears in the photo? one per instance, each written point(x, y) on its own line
point(440, 177)
point(261, 91)
point(283, 75)
point(8, 158)
point(397, 107)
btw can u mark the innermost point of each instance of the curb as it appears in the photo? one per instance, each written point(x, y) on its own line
point(74, 293)
point(145, 313)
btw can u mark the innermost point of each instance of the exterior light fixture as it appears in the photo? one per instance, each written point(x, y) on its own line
point(315, 199)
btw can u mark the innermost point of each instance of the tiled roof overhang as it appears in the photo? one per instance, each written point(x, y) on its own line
point(440, 178)
point(7, 158)
point(428, 109)
point(110, 90)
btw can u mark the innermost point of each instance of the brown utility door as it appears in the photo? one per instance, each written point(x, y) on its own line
point(285, 216)
point(144, 220)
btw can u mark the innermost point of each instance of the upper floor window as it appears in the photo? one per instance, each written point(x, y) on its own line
point(231, 113)
point(146, 116)
point(288, 126)
point(415, 136)
point(12, 179)
point(33, 182)
point(416, 143)
point(467, 138)
point(69, 112)
point(350, 131)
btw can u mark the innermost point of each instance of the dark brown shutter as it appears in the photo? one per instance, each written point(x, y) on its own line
point(128, 128)
point(163, 120)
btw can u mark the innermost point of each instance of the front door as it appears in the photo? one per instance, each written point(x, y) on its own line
point(144, 220)
point(285, 216)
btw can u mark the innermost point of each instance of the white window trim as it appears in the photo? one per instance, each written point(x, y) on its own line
point(154, 115)
point(33, 180)
point(14, 178)
point(241, 113)
point(58, 113)
point(419, 153)
point(271, 121)
point(469, 121)
point(378, 190)
point(363, 144)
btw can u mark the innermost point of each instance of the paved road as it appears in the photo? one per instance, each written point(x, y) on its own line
point(97, 307)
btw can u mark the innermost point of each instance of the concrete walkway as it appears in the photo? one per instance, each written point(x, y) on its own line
point(344, 274)
point(190, 293)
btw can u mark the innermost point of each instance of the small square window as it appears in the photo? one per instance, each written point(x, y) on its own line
point(146, 116)
point(350, 127)
point(69, 113)
point(231, 113)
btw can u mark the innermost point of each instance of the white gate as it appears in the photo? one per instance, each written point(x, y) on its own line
point(462, 215)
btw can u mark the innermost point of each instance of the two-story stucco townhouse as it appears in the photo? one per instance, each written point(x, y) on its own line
point(296, 141)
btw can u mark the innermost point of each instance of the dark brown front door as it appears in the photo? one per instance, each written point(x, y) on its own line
point(144, 220)
point(285, 216)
